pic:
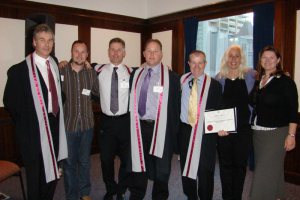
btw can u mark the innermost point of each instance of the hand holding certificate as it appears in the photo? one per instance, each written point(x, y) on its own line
point(217, 120)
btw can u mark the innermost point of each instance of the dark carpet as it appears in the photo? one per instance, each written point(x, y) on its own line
point(12, 188)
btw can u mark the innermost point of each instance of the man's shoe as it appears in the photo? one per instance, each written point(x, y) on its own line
point(108, 196)
point(121, 197)
point(86, 198)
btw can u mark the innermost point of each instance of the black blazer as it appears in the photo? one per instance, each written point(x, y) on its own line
point(209, 141)
point(19, 102)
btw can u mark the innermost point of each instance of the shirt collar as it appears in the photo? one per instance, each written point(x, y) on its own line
point(118, 66)
point(40, 59)
point(155, 68)
point(200, 78)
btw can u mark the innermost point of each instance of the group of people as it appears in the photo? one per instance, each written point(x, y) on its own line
point(148, 113)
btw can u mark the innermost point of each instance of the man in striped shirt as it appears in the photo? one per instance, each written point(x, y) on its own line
point(78, 83)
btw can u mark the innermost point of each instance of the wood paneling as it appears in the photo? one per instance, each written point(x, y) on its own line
point(285, 33)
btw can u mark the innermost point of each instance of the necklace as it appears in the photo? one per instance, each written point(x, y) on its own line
point(231, 77)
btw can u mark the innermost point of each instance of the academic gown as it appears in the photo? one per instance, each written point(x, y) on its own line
point(19, 102)
point(163, 165)
point(209, 141)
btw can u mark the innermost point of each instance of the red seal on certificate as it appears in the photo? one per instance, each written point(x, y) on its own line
point(209, 127)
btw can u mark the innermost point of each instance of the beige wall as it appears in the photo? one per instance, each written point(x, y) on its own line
point(12, 51)
point(165, 37)
point(65, 35)
point(99, 45)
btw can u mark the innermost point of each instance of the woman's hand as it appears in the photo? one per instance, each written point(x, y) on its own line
point(223, 133)
point(290, 143)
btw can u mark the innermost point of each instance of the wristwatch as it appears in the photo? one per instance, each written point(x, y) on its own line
point(291, 134)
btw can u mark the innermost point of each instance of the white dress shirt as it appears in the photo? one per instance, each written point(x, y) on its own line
point(42, 66)
point(105, 88)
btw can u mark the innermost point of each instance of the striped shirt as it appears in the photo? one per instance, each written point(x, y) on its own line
point(78, 88)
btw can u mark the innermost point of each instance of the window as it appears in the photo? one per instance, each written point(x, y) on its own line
point(216, 35)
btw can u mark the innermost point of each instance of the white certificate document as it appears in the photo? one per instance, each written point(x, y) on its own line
point(217, 120)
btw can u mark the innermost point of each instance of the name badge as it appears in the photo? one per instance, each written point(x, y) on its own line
point(62, 77)
point(158, 89)
point(124, 85)
point(86, 92)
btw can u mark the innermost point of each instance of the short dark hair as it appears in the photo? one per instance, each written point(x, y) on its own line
point(197, 53)
point(79, 42)
point(42, 28)
point(117, 40)
point(153, 40)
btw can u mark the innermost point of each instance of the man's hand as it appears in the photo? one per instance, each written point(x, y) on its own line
point(62, 64)
point(88, 65)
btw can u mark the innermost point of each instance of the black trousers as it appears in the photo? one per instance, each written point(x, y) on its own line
point(37, 188)
point(234, 151)
point(113, 139)
point(205, 176)
point(139, 180)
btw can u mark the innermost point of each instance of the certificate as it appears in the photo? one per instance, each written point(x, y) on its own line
point(217, 120)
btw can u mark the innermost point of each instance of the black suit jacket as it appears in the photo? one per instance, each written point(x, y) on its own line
point(19, 102)
point(209, 141)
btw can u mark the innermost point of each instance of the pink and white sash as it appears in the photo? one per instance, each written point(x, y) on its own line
point(194, 149)
point(99, 68)
point(50, 161)
point(159, 132)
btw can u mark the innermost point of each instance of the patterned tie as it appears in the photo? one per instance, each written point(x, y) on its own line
point(143, 94)
point(192, 117)
point(114, 101)
point(52, 89)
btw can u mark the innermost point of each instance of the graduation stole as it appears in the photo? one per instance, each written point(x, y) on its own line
point(194, 149)
point(49, 159)
point(159, 132)
point(99, 68)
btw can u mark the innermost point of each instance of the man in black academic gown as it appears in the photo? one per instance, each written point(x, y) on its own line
point(154, 118)
point(200, 163)
point(34, 100)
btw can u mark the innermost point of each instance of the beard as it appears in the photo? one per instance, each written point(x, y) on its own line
point(78, 63)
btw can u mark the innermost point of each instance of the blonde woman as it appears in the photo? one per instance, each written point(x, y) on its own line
point(237, 81)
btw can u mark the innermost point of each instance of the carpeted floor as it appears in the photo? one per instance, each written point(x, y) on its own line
point(12, 186)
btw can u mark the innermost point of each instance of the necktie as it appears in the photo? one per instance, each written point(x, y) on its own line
point(143, 94)
point(192, 117)
point(114, 101)
point(52, 89)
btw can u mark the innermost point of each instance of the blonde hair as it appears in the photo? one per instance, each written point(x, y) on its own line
point(224, 68)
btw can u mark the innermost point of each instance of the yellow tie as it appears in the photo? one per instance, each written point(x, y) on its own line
point(192, 118)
